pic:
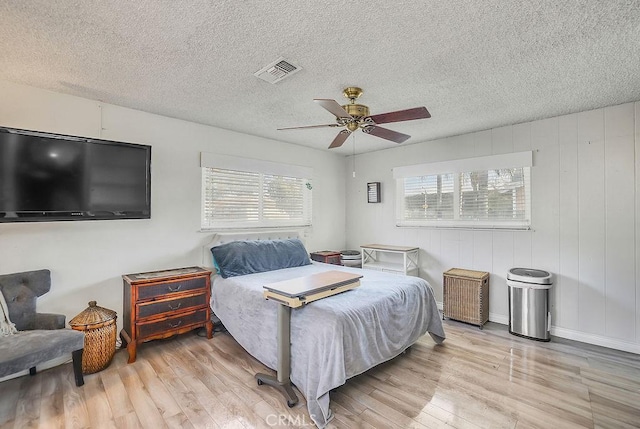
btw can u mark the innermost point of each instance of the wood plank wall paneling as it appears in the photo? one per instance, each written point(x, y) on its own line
point(567, 281)
point(586, 219)
point(501, 140)
point(503, 260)
point(591, 221)
point(545, 189)
point(619, 207)
point(466, 251)
point(637, 178)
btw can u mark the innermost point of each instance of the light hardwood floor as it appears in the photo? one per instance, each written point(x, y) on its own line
point(477, 379)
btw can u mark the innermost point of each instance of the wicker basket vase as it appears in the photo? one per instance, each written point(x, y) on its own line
point(99, 326)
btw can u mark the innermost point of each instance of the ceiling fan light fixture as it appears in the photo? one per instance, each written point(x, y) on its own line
point(357, 110)
point(353, 116)
point(352, 93)
point(353, 126)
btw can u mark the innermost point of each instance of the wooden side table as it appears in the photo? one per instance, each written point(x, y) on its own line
point(327, 256)
point(164, 303)
point(391, 259)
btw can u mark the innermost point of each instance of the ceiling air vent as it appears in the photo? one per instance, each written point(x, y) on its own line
point(276, 71)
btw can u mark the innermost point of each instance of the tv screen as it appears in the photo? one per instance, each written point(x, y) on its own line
point(51, 177)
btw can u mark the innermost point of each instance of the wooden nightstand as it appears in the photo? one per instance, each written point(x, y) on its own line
point(164, 303)
point(327, 256)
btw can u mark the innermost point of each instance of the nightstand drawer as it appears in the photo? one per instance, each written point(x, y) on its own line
point(154, 308)
point(162, 289)
point(164, 327)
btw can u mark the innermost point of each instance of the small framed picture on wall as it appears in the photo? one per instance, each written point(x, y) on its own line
point(373, 192)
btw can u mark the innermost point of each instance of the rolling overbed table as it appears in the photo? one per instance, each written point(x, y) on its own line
point(295, 293)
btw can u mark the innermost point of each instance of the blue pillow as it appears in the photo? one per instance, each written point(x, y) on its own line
point(257, 256)
point(215, 265)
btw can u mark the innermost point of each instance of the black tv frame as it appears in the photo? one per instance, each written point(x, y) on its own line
point(52, 216)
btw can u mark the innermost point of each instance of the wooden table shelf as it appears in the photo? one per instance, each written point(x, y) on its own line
point(391, 259)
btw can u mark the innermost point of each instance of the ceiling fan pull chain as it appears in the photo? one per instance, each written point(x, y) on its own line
point(354, 155)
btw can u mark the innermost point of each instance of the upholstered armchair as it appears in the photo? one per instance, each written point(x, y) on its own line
point(41, 336)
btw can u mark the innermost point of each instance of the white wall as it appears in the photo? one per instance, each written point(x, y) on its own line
point(87, 258)
point(586, 223)
point(585, 219)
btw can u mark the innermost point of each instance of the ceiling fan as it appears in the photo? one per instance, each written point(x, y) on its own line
point(353, 116)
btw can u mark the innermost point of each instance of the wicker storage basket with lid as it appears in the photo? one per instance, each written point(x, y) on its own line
point(466, 296)
point(99, 326)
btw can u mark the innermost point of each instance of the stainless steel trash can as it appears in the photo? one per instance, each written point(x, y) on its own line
point(529, 314)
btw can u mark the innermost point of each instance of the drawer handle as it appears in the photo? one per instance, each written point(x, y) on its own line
point(171, 325)
point(172, 307)
point(176, 289)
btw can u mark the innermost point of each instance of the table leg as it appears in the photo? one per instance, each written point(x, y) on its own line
point(281, 381)
point(129, 344)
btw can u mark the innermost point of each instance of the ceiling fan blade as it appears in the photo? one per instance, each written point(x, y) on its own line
point(333, 107)
point(401, 115)
point(340, 139)
point(309, 126)
point(386, 134)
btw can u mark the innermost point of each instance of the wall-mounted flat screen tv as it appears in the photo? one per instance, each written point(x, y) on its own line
point(52, 177)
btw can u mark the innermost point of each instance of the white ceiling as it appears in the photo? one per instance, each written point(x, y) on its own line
point(475, 64)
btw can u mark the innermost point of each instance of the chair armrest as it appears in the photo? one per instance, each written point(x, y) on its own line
point(49, 321)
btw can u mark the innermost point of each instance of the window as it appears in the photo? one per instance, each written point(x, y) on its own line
point(253, 193)
point(493, 195)
point(466, 193)
point(428, 197)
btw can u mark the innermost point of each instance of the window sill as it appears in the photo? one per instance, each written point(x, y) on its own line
point(471, 227)
point(254, 228)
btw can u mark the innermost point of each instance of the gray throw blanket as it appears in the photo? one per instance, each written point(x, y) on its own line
point(6, 327)
point(334, 338)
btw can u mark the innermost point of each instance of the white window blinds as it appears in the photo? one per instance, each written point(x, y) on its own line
point(466, 193)
point(428, 197)
point(494, 195)
point(230, 197)
point(284, 199)
point(233, 198)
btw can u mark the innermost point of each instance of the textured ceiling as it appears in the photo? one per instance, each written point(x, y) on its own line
point(474, 64)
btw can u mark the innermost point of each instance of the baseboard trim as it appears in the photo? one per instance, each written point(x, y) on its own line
point(597, 340)
point(570, 334)
point(493, 317)
point(498, 318)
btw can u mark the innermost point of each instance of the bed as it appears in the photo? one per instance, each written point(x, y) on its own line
point(332, 339)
